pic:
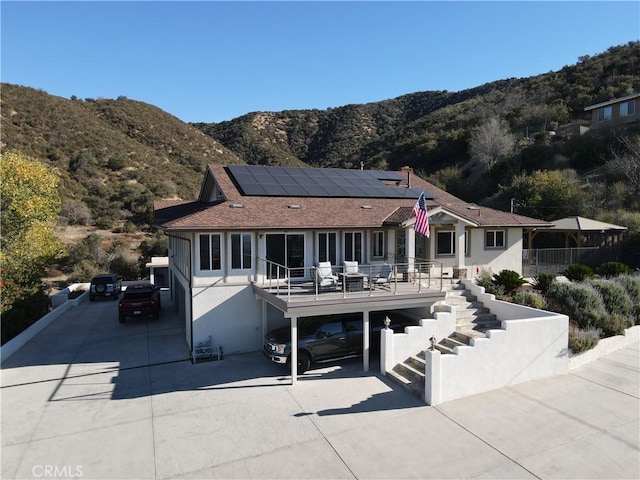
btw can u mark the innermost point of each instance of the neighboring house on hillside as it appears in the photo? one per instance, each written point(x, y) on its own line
point(616, 112)
point(256, 228)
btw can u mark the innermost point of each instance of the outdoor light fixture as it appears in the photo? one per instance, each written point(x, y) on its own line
point(387, 322)
point(433, 342)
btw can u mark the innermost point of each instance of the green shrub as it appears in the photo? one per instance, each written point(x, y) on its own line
point(24, 313)
point(581, 302)
point(613, 269)
point(614, 324)
point(543, 281)
point(632, 287)
point(125, 268)
point(578, 272)
point(583, 340)
point(615, 297)
point(530, 299)
point(509, 279)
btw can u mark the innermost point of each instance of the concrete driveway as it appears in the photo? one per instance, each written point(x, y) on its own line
point(90, 398)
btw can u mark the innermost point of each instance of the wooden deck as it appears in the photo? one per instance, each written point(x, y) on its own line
point(303, 299)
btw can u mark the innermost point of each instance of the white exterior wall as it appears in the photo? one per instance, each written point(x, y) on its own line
point(496, 259)
point(230, 314)
point(479, 257)
point(416, 338)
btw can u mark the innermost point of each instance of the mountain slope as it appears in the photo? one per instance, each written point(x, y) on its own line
point(429, 130)
point(114, 155)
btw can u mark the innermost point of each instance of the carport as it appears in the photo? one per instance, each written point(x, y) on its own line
point(294, 308)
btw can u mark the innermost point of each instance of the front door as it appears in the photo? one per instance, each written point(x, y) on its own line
point(286, 249)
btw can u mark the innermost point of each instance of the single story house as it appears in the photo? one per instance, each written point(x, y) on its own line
point(255, 233)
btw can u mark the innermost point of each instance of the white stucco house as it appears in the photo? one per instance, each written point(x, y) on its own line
point(256, 228)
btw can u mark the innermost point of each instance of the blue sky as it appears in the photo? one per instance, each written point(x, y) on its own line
point(212, 61)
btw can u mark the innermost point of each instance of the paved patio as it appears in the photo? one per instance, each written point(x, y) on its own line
point(90, 398)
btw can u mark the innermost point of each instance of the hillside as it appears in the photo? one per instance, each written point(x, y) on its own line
point(115, 156)
point(430, 130)
point(118, 155)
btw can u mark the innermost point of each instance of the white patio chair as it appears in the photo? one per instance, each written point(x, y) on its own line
point(325, 276)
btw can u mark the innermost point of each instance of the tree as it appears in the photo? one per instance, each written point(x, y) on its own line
point(627, 164)
point(546, 194)
point(491, 141)
point(30, 205)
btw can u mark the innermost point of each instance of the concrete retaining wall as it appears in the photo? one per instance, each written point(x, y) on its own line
point(604, 347)
point(396, 348)
point(531, 344)
point(13, 345)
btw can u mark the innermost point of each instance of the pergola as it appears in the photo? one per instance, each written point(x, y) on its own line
point(584, 232)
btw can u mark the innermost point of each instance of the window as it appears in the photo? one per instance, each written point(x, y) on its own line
point(240, 251)
point(378, 244)
point(604, 114)
point(353, 246)
point(494, 239)
point(328, 247)
point(330, 329)
point(627, 108)
point(446, 242)
point(210, 251)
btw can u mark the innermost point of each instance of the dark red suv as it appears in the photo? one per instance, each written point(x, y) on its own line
point(139, 299)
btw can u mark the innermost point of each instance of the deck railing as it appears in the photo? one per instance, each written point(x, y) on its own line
point(282, 280)
point(555, 260)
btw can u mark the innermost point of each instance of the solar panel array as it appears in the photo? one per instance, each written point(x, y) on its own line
point(258, 180)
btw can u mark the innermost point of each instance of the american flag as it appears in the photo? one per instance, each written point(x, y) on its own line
point(422, 219)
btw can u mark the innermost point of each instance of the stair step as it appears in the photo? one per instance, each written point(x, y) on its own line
point(417, 362)
point(478, 318)
point(453, 296)
point(453, 342)
point(409, 372)
point(473, 312)
point(444, 349)
point(465, 336)
point(415, 389)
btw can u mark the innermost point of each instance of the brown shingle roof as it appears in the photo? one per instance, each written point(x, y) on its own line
point(276, 212)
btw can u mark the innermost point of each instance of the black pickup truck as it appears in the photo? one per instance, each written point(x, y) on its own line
point(326, 337)
point(139, 299)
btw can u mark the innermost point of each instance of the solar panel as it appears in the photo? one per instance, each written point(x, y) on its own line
point(278, 181)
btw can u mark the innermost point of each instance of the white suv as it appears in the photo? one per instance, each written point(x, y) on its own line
point(105, 285)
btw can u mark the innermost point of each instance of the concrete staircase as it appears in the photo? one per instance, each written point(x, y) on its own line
point(473, 319)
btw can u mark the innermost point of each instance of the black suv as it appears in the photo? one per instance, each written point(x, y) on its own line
point(105, 285)
point(327, 337)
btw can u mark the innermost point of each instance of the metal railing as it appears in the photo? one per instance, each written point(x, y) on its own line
point(282, 280)
point(555, 260)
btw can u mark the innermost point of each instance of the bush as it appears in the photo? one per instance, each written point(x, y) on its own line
point(24, 313)
point(614, 324)
point(125, 268)
point(578, 272)
point(614, 269)
point(615, 297)
point(543, 281)
point(581, 302)
point(484, 278)
point(583, 340)
point(632, 287)
point(530, 299)
point(509, 280)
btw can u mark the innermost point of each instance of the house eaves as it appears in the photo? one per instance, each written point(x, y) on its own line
point(612, 102)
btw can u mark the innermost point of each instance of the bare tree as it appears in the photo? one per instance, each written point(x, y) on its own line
point(490, 141)
point(627, 163)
